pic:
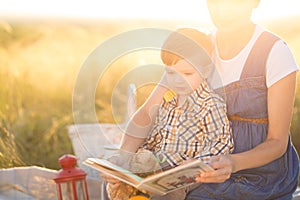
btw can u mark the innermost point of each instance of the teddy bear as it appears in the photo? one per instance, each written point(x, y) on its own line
point(143, 164)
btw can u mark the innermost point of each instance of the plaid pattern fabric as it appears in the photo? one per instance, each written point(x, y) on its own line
point(197, 129)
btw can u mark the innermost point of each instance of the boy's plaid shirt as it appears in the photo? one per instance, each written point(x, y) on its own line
point(197, 129)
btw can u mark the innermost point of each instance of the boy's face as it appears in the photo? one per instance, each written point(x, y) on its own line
point(182, 77)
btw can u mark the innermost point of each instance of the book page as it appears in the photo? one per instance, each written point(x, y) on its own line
point(113, 170)
point(175, 178)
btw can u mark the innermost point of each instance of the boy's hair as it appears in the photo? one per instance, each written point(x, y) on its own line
point(189, 44)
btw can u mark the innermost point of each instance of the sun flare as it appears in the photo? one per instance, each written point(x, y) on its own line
point(272, 9)
point(155, 9)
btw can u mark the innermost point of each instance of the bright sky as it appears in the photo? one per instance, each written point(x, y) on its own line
point(154, 9)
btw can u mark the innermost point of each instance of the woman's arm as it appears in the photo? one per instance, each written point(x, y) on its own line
point(141, 123)
point(137, 130)
point(280, 108)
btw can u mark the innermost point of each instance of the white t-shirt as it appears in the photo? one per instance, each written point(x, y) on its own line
point(280, 62)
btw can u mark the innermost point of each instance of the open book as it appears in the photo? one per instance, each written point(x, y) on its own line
point(160, 183)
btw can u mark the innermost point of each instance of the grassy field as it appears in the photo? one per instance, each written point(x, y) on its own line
point(39, 63)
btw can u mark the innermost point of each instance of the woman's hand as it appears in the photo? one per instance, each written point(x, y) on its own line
point(224, 167)
point(112, 181)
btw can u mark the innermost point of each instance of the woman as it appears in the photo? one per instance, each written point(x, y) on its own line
point(259, 74)
point(260, 96)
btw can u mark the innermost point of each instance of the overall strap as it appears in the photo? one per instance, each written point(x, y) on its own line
point(256, 62)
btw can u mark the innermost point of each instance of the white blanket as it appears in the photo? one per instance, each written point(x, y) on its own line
point(34, 183)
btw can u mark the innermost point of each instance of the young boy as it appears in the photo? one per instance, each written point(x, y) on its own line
point(191, 121)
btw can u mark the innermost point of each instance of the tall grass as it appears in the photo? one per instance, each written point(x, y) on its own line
point(9, 157)
point(35, 122)
point(33, 109)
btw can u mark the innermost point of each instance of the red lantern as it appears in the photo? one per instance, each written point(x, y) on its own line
point(70, 180)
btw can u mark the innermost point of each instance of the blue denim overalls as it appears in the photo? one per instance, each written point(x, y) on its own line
point(247, 109)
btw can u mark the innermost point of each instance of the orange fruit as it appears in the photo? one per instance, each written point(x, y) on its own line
point(138, 197)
